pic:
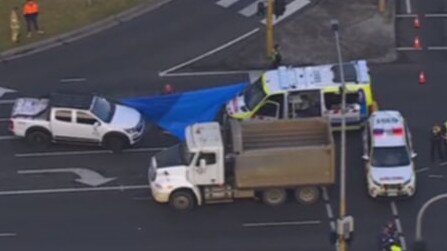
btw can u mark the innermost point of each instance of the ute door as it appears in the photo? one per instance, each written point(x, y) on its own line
point(86, 127)
point(62, 124)
point(205, 170)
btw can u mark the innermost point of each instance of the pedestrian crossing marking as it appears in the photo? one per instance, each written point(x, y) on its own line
point(249, 10)
point(291, 8)
point(226, 3)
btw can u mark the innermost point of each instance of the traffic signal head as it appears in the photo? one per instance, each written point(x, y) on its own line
point(279, 7)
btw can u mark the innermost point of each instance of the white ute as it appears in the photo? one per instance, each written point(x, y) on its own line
point(388, 153)
point(76, 118)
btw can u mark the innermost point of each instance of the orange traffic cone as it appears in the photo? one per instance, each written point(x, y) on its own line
point(417, 43)
point(417, 22)
point(422, 79)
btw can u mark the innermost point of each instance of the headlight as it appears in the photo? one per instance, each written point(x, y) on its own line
point(131, 130)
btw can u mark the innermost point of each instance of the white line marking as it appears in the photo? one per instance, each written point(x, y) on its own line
point(4, 119)
point(249, 10)
point(403, 243)
point(443, 163)
point(291, 8)
point(420, 170)
point(325, 194)
point(9, 137)
point(72, 190)
point(330, 215)
point(284, 223)
point(332, 225)
point(398, 226)
point(436, 15)
point(8, 234)
point(161, 74)
point(72, 80)
point(205, 73)
point(408, 5)
point(437, 48)
point(394, 209)
point(407, 49)
point(226, 3)
point(7, 101)
point(406, 15)
point(436, 176)
point(46, 154)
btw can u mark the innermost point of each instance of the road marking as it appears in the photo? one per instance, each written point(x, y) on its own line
point(437, 48)
point(73, 190)
point(398, 225)
point(249, 10)
point(442, 15)
point(436, 176)
point(205, 73)
point(47, 154)
point(283, 223)
point(325, 194)
point(5, 90)
point(4, 119)
point(406, 15)
point(408, 5)
point(8, 234)
point(206, 54)
point(420, 170)
point(291, 8)
point(7, 101)
point(407, 49)
point(330, 215)
point(443, 163)
point(226, 3)
point(72, 80)
point(9, 137)
point(86, 176)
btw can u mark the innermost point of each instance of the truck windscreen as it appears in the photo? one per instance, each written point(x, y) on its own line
point(254, 94)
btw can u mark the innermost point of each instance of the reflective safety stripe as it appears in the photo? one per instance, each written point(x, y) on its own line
point(30, 8)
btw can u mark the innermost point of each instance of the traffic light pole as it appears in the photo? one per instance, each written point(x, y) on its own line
point(269, 28)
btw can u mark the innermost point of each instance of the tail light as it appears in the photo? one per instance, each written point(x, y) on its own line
point(11, 125)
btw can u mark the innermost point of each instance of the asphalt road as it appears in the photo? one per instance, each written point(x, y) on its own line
point(54, 212)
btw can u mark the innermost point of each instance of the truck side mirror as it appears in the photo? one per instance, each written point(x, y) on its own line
point(97, 124)
point(365, 157)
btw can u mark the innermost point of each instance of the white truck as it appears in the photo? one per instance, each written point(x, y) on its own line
point(253, 159)
point(76, 118)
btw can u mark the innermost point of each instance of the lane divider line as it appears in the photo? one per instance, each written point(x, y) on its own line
point(72, 80)
point(206, 54)
point(7, 101)
point(47, 154)
point(281, 223)
point(424, 169)
point(398, 224)
point(73, 190)
point(8, 234)
point(9, 137)
point(436, 176)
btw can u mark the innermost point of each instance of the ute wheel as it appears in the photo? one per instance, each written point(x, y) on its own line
point(274, 196)
point(38, 138)
point(307, 195)
point(182, 200)
point(115, 143)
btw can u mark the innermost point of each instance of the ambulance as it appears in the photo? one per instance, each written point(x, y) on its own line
point(388, 155)
point(312, 91)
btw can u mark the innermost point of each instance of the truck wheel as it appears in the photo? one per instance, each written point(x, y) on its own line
point(115, 143)
point(307, 195)
point(38, 138)
point(274, 196)
point(182, 200)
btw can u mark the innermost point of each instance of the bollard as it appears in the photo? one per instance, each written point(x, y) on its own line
point(382, 6)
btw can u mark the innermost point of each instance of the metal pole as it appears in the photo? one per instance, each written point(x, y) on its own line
point(335, 28)
point(269, 28)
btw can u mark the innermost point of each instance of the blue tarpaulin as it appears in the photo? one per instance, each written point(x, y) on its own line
point(176, 111)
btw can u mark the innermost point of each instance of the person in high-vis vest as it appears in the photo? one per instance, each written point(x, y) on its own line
point(31, 12)
point(14, 25)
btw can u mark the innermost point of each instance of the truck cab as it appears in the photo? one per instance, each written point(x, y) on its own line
point(388, 155)
point(304, 92)
point(199, 161)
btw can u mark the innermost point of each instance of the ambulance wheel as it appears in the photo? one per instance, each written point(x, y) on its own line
point(307, 195)
point(182, 200)
point(274, 196)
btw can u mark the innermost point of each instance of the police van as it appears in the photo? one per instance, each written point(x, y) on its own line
point(311, 91)
point(388, 153)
